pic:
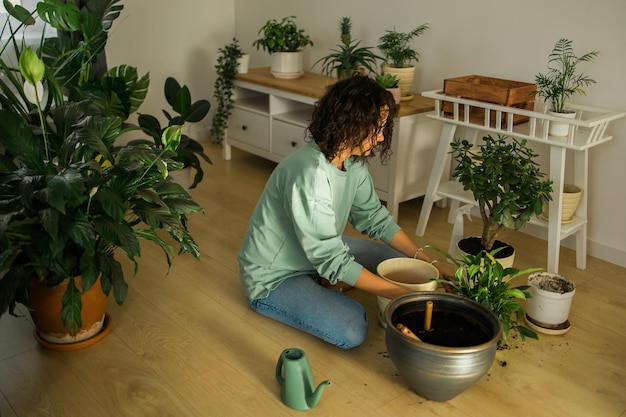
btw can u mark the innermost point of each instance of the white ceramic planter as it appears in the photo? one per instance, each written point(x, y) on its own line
point(546, 307)
point(182, 177)
point(557, 128)
point(244, 63)
point(287, 65)
point(413, 274)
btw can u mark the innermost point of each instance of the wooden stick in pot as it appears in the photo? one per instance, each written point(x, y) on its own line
point(407, 332)
point(428, 316)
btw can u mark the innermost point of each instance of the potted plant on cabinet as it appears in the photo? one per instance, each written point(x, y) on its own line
point(390, 82)
point(188, 149)
point(505, 181)
point(284, 42)
point(399, 56)
point(71, 199)
point(226, 67)
point(349, 56)
point(483, 279)
point(562, 81)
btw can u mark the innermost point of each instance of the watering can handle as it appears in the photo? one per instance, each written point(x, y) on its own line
point(279, 370)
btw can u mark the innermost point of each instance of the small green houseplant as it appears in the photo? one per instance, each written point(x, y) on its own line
point(189, 150)
point(71, 198)
point(284, 41)
point(226, 68)
point(483, 279)
point(386, 80)
point(396, 47)
point(505, 180)
point(349, 56)
point(563, 80)
point(399, 56)
point(283, 36)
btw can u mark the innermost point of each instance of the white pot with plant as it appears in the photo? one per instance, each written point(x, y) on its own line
point(506, 183)
point(284, 41)
point(551, 295)
point(399, 56)
point(561, 82)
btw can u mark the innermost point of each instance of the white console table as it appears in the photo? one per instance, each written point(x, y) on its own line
point(270, 117)
point(586, 131)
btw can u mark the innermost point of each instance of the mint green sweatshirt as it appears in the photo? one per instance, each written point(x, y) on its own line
point(297, 224)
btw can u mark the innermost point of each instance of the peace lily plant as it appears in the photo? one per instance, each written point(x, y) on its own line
point(71, 199)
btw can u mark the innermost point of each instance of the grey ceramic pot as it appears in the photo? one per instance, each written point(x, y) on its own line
point(440, 372)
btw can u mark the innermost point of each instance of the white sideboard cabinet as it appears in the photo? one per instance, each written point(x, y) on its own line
point(270, 117)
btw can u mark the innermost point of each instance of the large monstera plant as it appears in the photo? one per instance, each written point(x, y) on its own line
point(71, 198)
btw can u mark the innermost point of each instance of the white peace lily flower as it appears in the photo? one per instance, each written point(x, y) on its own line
point(33, 92)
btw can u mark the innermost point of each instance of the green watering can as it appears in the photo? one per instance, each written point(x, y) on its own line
point(294, 374)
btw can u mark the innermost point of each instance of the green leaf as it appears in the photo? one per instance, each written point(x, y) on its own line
point(60, 15)
point(72, 305)
point(19, 13)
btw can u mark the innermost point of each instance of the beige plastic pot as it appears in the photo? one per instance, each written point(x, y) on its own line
point(413, 274)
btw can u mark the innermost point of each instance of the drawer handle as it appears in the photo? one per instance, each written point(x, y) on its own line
point(244, 127)
point(294, 143)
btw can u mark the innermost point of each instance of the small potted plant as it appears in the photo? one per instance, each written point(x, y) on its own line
point(563, 81)
point(399, 56)
point(505, 181)
point(483, 279)
point(284, 41)
point(189, 150)
point(227, 66)
point(349, 56)
point(390, 82)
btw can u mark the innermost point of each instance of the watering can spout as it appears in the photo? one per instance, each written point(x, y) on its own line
point(315, 397)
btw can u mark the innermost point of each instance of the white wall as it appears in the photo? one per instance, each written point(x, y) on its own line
point(505, 39)
point(173, 38)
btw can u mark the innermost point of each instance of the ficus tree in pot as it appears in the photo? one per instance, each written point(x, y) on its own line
point(71, 199)
point(505, 180)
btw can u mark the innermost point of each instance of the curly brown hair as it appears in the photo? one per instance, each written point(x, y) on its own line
point(351, 111)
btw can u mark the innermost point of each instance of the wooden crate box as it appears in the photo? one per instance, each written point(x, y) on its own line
point(499, 91)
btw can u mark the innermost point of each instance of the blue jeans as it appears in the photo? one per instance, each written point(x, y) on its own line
point(302, 303)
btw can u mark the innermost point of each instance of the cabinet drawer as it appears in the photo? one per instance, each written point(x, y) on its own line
point(286, 137)
point(250, 128)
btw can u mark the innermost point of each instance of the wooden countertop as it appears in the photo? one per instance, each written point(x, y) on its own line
point(314, 85)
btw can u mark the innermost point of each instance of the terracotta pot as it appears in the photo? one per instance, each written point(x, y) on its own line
point(45, 306)
point(435, 371)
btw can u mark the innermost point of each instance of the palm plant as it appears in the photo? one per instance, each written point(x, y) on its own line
point(71, 199)
point(396, 47)
point(562, 80)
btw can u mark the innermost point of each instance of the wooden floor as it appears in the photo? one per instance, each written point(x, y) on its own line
point(187, 344)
